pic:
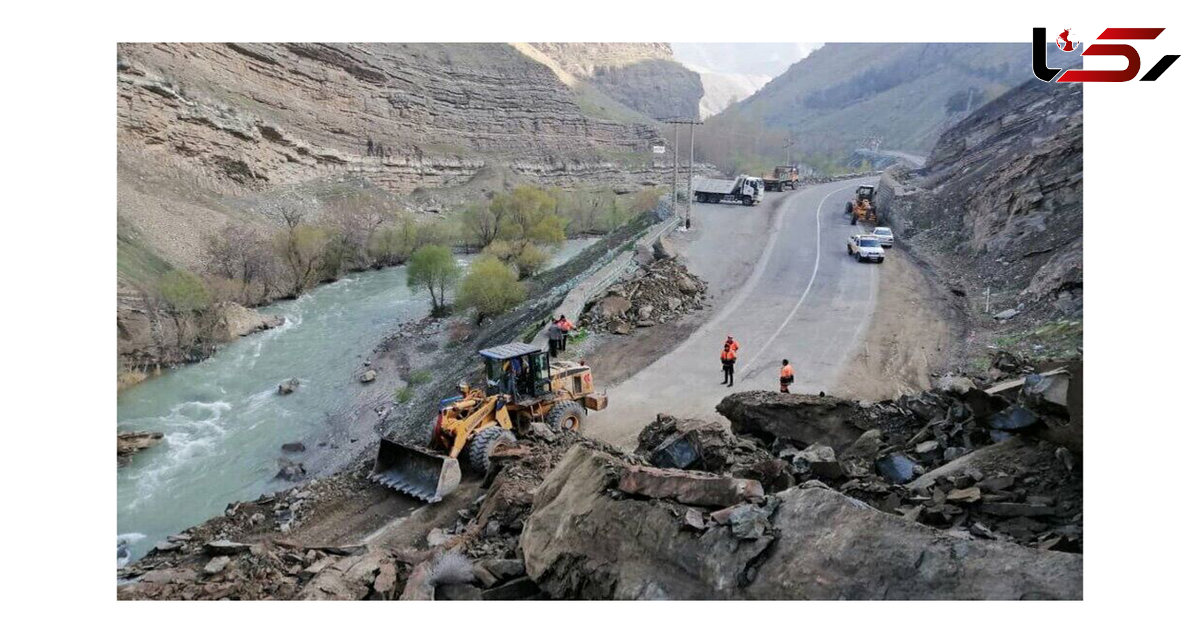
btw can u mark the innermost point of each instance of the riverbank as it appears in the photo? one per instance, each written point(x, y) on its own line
point(224, 423)
point(152, 340)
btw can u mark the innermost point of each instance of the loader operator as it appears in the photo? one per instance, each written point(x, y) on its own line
point(728, 358)
point(787, 376)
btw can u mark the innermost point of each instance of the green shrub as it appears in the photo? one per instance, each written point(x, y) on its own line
point(183, 291)
point(404, 394)
point(433, 268)
point(491, 288)
point(420, 376)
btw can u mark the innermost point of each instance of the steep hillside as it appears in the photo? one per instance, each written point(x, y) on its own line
point(998, 211)
point(641, 76)
point(199, 124)
point(844, 96)
point(211, 135)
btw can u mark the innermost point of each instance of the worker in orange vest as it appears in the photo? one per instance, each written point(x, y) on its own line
point(563, 323)
point(787, 376)
point(728, 357)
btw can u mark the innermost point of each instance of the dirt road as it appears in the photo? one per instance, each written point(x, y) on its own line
point(803, 299)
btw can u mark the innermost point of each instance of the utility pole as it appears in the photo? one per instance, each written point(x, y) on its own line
point(675, 177)
point(788, 146)
point(687, 222)
point(691, 123)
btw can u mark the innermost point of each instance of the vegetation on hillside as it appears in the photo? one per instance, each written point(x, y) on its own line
point(321, 237)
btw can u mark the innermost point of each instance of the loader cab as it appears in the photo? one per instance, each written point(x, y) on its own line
point(518, 369)
point(865, 192)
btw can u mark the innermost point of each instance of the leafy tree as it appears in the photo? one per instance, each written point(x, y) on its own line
point(302, 250)
point(433, 268)
point(184, 292)
point(526, 218)
point(529, 217)
point(490, 287)
point(480, 224)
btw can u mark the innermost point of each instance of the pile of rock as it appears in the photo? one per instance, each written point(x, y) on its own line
point(658, 292)
point(1002, 463)
point(274, 569)
point(800, 497)
point(603, 528)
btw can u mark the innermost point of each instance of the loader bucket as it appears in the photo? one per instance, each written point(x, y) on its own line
point(417, 472)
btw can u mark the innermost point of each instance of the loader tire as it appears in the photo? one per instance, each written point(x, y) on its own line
point(479, 450)
point(565, 416)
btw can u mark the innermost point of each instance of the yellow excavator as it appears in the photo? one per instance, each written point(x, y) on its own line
point(862, 208)
point(523, 386)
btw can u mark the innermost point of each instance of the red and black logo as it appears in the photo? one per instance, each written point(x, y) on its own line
point(1133, 61)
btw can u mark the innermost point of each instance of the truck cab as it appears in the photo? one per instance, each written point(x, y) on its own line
point(753, 188)
point(865, 248)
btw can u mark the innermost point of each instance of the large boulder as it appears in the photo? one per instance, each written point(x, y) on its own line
point(232, 321)
point(612, 306)
point(830, 546)
point(584, 540)
point(131, 443)
point(664, 249)
point(802, 418)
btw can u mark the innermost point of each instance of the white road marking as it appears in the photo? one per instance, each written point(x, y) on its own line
point(811, 279)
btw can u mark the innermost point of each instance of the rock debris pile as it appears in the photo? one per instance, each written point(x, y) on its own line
point(658, 292)
point(955, 493)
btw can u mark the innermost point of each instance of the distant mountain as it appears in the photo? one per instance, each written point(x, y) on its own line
point(750, 59)
point(732, 71)
point(845, 96)
point(723, 89)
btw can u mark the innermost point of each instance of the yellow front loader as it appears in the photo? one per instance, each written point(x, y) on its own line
point(522, 386)
point(862, 208)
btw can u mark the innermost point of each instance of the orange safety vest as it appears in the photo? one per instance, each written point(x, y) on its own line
point(786, 372)
point(565, 324)
point(732, 344)
point(728, 355)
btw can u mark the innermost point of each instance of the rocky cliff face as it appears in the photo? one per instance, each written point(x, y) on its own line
point(641, 76)
point(999, 205)
point(150, 336)
point(252, 116)
point(206, 132)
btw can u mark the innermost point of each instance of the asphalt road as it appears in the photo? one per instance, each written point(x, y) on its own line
point(796, 294)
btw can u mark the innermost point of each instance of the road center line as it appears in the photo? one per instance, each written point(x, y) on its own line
point(811, 280)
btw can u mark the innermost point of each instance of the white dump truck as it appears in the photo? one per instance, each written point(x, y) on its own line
point(745, 190)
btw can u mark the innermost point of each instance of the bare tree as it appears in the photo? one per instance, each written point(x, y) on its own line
point(241, 253)
point(288, 211)
point(300, 245)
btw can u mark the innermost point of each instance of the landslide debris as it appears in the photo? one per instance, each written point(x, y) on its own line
point(1003, 464)
point(589, 536)
point(659, 291)
point(953, 493)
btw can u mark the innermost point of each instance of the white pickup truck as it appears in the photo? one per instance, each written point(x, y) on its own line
point(865, 248)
